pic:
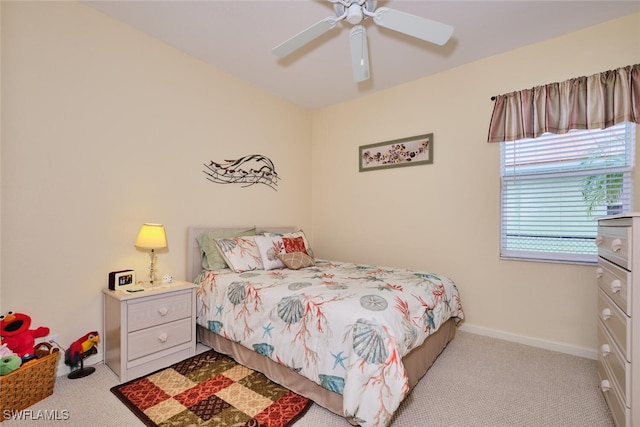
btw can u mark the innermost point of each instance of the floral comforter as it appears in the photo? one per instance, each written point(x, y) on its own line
point(343, 326)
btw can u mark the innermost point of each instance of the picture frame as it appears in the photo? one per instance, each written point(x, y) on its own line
point(411, 151)
point(119, 279)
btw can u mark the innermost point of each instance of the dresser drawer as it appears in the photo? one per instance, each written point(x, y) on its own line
point(614, 243)
point(621, 414)
point(158, 338)
point(616, 323)
point(616, 283)
point(609, 354)
point(157, 310)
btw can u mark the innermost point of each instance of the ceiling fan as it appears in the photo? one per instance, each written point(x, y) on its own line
point(355, 11)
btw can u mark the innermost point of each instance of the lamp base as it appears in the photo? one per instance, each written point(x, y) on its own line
point(152, 268)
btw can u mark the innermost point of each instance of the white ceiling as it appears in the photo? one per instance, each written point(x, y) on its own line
point(237, 36)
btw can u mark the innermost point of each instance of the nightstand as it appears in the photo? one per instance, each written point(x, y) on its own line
point(149, 330)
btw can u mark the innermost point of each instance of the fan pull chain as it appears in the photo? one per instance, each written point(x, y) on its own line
point(362, 53)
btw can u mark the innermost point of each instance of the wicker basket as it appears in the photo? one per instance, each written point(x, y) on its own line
point(31, 382)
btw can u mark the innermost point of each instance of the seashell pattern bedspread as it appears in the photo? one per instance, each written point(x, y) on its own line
point(342, 325)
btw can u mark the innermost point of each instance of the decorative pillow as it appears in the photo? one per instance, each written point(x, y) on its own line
point(295, 234)
point(296, 260)
point(294, 244)
point(211, 257)
point(241, 253)
point(270, 247)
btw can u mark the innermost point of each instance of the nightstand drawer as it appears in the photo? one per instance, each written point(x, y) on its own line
point(616, 283)
point(157, 338)
point(614, 244)
point(154, 311)
point(616, 323)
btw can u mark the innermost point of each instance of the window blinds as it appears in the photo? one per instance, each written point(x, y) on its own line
point(555, 186)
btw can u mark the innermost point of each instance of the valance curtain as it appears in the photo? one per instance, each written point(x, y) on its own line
point(594, 102)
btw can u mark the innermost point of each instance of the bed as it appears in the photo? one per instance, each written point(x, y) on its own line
point(355, 339)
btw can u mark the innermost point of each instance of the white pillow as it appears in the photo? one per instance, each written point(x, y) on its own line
point(211, 257)
point(241, 253)
point(270, 247)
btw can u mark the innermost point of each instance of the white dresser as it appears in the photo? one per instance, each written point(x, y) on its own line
point(149, 330)
point(618, 275)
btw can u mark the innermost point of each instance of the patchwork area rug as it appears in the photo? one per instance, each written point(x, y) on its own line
point(211, 389)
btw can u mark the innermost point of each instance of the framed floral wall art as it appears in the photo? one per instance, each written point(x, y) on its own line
point(412, 151)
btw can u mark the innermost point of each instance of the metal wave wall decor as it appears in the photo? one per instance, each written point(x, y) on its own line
point(247, 171)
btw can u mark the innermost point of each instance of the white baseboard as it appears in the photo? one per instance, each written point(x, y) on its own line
point(534, 342)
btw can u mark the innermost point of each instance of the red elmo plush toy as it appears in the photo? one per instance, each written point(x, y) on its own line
point(15, 332)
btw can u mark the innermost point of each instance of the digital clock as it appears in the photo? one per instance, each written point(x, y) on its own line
point(121, 278)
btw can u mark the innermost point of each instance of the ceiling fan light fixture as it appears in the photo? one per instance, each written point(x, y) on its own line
point(354, 14)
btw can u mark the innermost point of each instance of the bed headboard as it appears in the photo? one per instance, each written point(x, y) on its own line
point(194, 262)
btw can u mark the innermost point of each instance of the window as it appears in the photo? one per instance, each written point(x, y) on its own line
point(555, 186)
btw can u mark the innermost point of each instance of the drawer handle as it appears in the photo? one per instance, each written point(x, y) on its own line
point(605, 386)
point(599, 240)
point(599, 273)
point(616, 285)
point(163, 338)
point(616, 245)
point(163, 311)
point(606, 314)
point(605, 350)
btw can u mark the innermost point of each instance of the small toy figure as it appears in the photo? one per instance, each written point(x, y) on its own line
point(9, 364)
point(79, 350)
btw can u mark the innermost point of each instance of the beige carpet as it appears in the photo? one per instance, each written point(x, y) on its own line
point(477, 381)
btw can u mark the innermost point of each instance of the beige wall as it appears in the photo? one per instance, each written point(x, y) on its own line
point(0, 159)
point(445, 217)
point(105, 128)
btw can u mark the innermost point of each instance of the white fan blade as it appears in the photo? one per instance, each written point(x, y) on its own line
point(412, 25)
point(304, 37)
point(359, 53)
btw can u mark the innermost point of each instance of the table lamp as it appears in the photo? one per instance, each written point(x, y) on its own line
point(152, 237)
